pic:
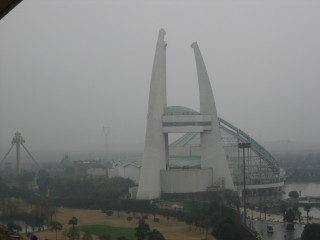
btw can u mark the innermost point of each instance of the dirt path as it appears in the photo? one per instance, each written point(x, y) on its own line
point(172, 229)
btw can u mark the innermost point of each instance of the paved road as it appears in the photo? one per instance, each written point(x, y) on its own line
point(280, 232)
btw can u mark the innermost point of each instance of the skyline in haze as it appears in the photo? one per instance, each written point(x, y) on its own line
point(70, 68)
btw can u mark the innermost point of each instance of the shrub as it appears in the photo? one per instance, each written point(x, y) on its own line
point(293, 194)
point(311, 231)
point(109, 213)
point(156, 220)
point(129, 218)
point(105, 237)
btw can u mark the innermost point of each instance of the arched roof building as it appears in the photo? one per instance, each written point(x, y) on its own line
point(262, 169)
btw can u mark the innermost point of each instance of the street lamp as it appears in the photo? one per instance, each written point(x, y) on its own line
point(244, 146)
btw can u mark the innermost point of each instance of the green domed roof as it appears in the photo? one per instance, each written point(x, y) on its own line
point(179, 110)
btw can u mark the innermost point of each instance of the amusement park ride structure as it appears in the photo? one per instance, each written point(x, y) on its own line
point(18, 140)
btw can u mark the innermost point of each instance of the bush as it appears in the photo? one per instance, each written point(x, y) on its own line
point(105, 237)
point(109, 213)
point(129, 218)
point(156, 220)
point(293, 194)
point(122, 238)
point(225, 230)
point(311, 232)
point(181, 217)
point(144, 217)
point(155, 235)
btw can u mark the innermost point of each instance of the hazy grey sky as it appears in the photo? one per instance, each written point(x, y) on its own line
point(68, 68)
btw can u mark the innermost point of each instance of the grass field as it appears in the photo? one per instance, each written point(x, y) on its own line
point(114, 232)
point(170, 228)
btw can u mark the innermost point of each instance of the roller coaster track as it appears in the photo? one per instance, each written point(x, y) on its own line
point(255, 146)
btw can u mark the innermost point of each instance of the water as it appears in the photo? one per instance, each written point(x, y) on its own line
point(305, 189)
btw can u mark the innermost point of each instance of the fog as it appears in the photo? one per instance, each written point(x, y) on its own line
point(69, 68)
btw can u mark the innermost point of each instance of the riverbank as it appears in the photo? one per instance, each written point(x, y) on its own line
point(169, 227)
point(274, 217)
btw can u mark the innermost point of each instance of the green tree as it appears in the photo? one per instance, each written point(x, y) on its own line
point(251, 207)
point(206, 224)
point(155, 235)
point(142, 230)
point(12, 209)
point(14, 227)
point(26, 177)
point(43, 181)
point(109, 213)
point(189, 219)
point(299, 216)
point(231, 198)
point(105, 237)
point(55, 226)
point(289, 217)
point(293, 194)
point(36, 219)
point(45, 209)
point(311, 232)
point(225, 230)
point(73, 234)
point(260, 209)
point(87, 236)
point(283, 209)
point(307, 208)
point(73, 221)
point(265, 209)
point(122, 238)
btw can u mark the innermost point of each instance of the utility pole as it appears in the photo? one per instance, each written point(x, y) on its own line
point(106, 131)
point(244, 146)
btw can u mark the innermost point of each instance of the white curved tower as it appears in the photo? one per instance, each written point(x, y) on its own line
point(212, 152)
point(155, 178)
point(156, 143)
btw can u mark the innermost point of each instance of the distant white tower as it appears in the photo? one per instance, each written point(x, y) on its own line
point(155, 177)
point(18, 140)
